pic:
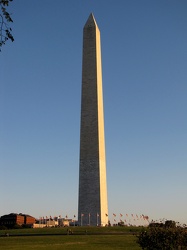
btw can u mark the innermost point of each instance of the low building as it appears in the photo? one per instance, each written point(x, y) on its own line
point(63, 222)
point(10, 220)
point(51, 223)
point(37, 225)
point(29, 220)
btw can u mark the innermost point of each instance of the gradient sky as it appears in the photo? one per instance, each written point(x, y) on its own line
point(144, 59)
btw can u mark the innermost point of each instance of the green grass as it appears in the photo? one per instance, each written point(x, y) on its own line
point(70, 242)
point(76, 230)
point(57, 238)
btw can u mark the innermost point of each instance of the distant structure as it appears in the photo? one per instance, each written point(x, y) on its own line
point(53, 222)
point(93, 204)
point(13, 219)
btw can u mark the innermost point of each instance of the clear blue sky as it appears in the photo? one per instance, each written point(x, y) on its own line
point(144, 58)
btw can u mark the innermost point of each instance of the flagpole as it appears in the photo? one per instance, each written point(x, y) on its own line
point(89, 218)
point(74, 219)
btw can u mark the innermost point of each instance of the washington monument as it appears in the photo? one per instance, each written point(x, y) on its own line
point(93, 204)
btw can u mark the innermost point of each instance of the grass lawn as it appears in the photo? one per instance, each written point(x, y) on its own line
point(69, 242)
point(57, 238)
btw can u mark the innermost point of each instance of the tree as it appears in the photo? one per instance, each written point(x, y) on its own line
point(170, 224)
point(163, 237)
point(5, 19)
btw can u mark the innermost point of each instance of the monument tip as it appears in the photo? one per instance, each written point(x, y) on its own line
point(91, 22)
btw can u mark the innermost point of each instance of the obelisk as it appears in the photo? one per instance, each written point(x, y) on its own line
point(93, 204)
